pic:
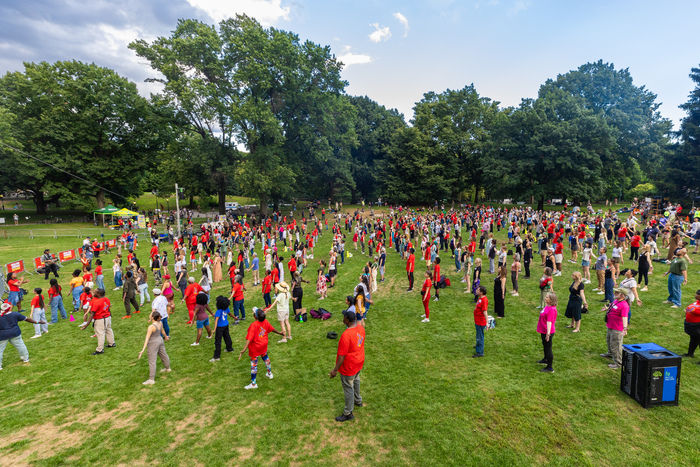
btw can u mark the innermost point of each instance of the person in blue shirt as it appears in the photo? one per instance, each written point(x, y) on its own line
point(10, 331)
point(255, 267)
point(221, 327)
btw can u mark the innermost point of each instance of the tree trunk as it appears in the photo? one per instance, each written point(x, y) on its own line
point(100, 199)
point(263, 204)
point(577, 201)
point(192, 206)
point(332, 188)
point(477, 188)
point(353, 195)
point(40, 202)
point(540, 204)
point(222, 195)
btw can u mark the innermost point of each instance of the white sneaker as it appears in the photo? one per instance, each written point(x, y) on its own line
point(422, 316)
point(209, 337)
point(35, 336)
point(116, 288)
point(436, 299)
point(516, 294)
point(601, 293)
point(166, 370)
point(214, 360)
point(252, 386)
point(194, 344)
point(596, 289)
point(148, 382)
point(426, 320)
point(269, 375)
point(289, 338)
point(463, 280)
point(282, 341)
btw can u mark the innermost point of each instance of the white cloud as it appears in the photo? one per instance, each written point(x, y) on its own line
point(267, 12)
point(349, 58)
point(519, 6)
point(402, 19)
point(380, 34)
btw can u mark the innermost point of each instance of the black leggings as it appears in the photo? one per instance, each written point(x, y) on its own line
point(645, 275)
point(527, 268)
point(694, 344)
point(548, 355)
point(634, 256)
point(410, 280)
point(297, 293)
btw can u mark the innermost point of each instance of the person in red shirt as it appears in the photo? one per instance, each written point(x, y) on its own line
point(692, 325)
point(190, 298)
point(558, 255)
point(266, 288)
point(349, 361)
point(14, 284)
point(410, 267)
point(237, 298)
point(39, 314)
point(480, 320)
point(100, 314)
point(256, 343)
point(425, 294)
point(292, 265)
point(634, 246)
point(436, 278)
point(153, 254)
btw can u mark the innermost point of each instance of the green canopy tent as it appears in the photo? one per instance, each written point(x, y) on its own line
point(109, 209)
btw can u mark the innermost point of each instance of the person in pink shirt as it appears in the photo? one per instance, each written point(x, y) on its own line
point(546, 329)
point(616, 320)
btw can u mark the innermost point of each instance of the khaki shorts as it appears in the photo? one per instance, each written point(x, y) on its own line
point(615, 260)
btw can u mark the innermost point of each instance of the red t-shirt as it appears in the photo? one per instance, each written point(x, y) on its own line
point(481, 306)
point(54, 293)
point(635, 241)
point(426, 287)
point(100, 306)
point(85, 298)
point(692, 313)
point(154, 251)
point(191, 293)
point(436, 273)
point(352, 346)
point(410, 264)
point(87, 277)
point(257, 335)
point(559, 248)
point(621, 233)
point(550, 229)
point(292, 265)
point(237, 292)
point(267, 284)
point(35, 301)
point(275, 275)
point(14, 285)
point(98, 271)
point(232, 272)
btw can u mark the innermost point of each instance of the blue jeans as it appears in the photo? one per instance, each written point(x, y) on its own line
point(238, 305)
point(458, 264)
point(166, 328)
point(100, 282)
point(342, 257)
point(56, 305)
point(609, 286)
point(18, 344)
point(674, 289)
point(479, 339)
point(76, 296)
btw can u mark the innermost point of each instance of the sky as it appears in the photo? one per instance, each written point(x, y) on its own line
point(393, 51)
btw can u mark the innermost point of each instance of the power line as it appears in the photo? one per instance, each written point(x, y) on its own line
point(64, 171)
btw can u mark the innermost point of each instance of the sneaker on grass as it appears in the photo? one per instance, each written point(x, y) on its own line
point(252, 386)
point(148, 382)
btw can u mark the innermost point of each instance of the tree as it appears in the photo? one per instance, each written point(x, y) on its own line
point(411, 173)
point(83, 119)
point(460, 122)
point(680, 178)
point(243, 84)
point(375, 127)
point(552, 147)
point(641, 134)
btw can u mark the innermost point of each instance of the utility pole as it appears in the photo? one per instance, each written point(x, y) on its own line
point(177, 204)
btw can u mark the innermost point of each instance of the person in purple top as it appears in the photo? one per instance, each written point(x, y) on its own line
point(546, 329)
point(616, 321)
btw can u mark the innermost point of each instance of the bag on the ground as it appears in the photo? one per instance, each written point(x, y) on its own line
point(325, 314)
point(315, 314)
point(332, 335)
point(301, 318)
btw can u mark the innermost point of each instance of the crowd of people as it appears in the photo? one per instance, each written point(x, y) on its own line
point(274, 253)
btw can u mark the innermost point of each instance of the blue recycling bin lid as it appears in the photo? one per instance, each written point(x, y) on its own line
point(650, 346)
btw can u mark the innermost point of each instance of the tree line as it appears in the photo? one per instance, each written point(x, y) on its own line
point(247, 110)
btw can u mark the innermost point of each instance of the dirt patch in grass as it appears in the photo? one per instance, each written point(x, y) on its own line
point(185, 428)
point(36, 442)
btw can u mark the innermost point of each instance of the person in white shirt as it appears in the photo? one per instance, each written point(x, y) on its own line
point(160, 304)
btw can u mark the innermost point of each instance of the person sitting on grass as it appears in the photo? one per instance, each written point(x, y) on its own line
point(256, 344)
point(155, 336)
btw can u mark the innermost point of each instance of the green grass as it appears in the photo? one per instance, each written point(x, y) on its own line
point(426, 401)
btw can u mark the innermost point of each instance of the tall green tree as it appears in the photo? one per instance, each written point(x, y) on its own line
point(84, 119)
point(410, 173)
point(375, 126)
point(641, 133)
point(461, 124)
point(244, 84)
point(551, 147)
point(680, 177)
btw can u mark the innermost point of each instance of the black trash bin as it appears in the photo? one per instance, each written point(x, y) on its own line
point(658, 378)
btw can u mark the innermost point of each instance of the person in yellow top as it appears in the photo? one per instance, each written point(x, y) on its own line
point(360, 304)
point(76, 288)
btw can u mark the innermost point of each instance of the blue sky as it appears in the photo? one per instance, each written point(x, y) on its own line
point(394, 51)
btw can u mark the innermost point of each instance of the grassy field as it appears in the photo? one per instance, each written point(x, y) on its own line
point(426, 401)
